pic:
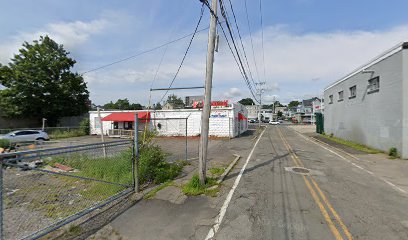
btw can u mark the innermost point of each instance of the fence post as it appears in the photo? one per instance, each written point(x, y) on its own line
point(186, 140)
point(136, 160)
point(1, 200)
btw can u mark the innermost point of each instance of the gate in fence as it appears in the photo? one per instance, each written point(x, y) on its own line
point(42, 190)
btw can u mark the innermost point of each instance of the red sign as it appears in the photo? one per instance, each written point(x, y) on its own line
point(219, 103)
point(199, 104)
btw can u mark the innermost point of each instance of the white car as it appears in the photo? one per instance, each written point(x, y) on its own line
point(274, 122)
point(26, 135)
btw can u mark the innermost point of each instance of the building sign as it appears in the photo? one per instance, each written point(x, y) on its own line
point(200, 104)
point(220, 114)
point(219, 103)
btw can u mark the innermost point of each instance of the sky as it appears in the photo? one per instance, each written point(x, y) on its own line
point(308, 44)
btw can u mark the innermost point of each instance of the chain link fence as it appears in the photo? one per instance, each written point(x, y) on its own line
point(42, 190)
point(175, 137)
point(49, 130)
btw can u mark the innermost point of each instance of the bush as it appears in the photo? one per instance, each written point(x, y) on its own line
point(84, 126)
point(153, 168)
point(4, 143)
point(393, 152)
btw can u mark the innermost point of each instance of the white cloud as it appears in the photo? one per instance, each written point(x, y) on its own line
point(297, 65)
point(70, 34)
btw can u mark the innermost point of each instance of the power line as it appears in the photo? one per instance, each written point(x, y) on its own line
point(236, 49)
point(252, 44)
point(237, 58)
point(263, 50)
point(143, 52)
point(240, 39)
point(186, 52)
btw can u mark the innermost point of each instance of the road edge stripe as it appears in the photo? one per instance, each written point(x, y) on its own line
point(220, 217)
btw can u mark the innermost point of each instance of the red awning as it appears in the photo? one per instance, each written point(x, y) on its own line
point(241, 116)
point(127, 117)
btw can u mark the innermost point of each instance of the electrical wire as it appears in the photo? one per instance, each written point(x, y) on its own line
point(263, 50)
point(240, 39)
point(186, 52)
point(252, 44)
point(223, 12)
point(144, 52)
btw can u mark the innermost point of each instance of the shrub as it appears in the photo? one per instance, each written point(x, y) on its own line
point(84, 126)
point(4, 143)
point(153, 168)
point(393, 152)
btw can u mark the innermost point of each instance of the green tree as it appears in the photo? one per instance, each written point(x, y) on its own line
point(123, 104)
point(157, 106)
point(39, 83)
point(280, 114)
point(293, 104)
point(175, 101)
point(247, 101)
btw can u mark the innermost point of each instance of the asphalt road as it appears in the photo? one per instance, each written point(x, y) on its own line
point(333, 199)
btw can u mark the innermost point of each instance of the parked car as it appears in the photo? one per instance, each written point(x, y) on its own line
point(26, 135)
point(274, 122)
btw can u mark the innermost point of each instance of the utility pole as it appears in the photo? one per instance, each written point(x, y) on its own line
point(260, 91)
point(205, 117)
point(102, 133)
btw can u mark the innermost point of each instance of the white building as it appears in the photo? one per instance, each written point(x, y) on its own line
point(225, 121)
point(253, 113)
point(370, 105)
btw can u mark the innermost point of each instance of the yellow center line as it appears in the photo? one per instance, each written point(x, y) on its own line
point(315, 197)
point(338, 218)
point(323, 196)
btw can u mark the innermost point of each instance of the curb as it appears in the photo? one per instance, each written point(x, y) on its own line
point(237, 157)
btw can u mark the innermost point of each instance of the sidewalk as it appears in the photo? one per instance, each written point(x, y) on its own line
point(172, 215)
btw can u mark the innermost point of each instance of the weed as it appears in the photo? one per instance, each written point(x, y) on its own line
point(393, 152)
point(351, 144)
point(217, 171)
point(194, 187)
point(4, 143)
point(153, 192)
point(74, 229)
point(67, 134)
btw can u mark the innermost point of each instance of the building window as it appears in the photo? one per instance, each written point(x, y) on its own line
point(353, 92)
point(374, 85)
point(341, 96)
point(330, 99)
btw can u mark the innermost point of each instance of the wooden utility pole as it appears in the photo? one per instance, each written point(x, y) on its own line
point(205, 117)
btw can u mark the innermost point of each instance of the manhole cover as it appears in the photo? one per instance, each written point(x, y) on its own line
point(300, 170)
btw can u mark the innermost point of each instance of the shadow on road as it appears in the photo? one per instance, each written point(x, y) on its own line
point(258, 165)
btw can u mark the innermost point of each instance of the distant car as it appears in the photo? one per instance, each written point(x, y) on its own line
point(274, 122)
point(26, 135)
point(252, 121)
point(280, 121)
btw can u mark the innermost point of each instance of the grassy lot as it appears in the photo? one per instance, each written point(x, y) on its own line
point(351, 144)
point(67, 134)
